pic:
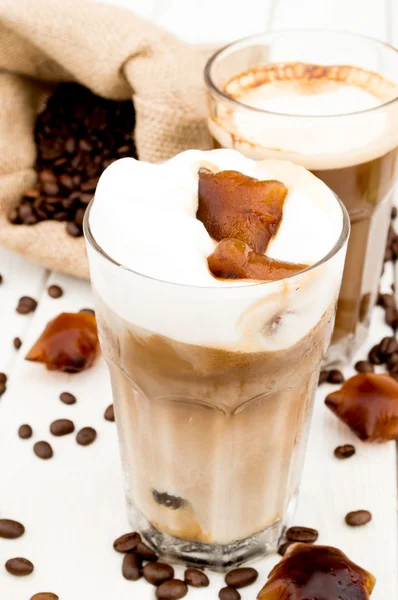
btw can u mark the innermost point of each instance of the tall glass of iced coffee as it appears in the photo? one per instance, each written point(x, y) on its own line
point(327, 101)
point(216, 279)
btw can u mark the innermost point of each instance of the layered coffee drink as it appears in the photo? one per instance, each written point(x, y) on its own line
point(216, 279)
point(338, 119)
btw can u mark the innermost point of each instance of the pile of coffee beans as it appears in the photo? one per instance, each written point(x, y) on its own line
point(77, 136)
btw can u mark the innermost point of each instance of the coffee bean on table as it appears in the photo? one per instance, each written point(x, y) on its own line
point(323, 377)
point(196, 578)
point(17, 343)
point(335, 376)
point(62, 427)
point(131, 567)
point(357, 518)
point(157, 572)
point(86, 436)
point(26, 305)
point(11, 530)
point(55, 291)
point(364, 366)
point(67, 398)
point(283, 548)
point(392, 363)
point(391, 317)
point(45, 596)
point(3, 378)
point(25, 432)
point(145, 552)
point(374, 356)
point(174, 589)
point(388, 346)
point(306, 535)
point(3, 388)
point(89, 311)
point(109, 413)
point(345, 451)
point(127, 542)
point(394, 212)
point(43, 450)
point(229, 593)
point(239, 578)
point(20, 567)
point(74, 230)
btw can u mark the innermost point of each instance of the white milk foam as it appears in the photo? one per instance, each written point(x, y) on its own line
point(335, 133)
point(144, 218)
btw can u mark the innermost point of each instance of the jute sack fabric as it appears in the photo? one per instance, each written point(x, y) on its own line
point(117, 55)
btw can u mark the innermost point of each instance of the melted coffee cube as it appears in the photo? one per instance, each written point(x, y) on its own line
point(233, 259)
point(69, 343)
point(317, 573)
point(233, 205)
point(368, 404)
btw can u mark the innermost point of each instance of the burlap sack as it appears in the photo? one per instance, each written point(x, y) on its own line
point(114, 53)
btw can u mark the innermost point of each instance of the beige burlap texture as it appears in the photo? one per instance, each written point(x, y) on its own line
point(117, 55)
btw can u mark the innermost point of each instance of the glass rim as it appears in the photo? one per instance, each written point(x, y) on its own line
point(258, 36)
point(344, 234)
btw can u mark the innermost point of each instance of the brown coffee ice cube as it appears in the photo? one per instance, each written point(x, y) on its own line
point(68, 343)
point(233, 205)
point(233, 259)
point(368, 404)
point(317, 573)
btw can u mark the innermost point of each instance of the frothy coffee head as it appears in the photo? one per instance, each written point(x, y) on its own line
point(296, 108)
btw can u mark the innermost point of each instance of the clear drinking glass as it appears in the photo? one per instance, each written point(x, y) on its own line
point(212, 438)
point(354, 151)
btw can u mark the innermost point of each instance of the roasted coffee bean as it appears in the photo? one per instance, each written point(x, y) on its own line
point(131, 567)
point(79, 216)
point(306, 535)
point(25, 432)
point(229, 593)
point(109, 413)
point(11, 530)
point(157, 572)
point(364, 366)
point(388, 346)
point(145, 552)
point(335, 376)
point(86, 436)
point(62, 427)
point(26, 305)
point(43, 450)
point(357, 518)
point(392, 363)
point(165, 499)
point(345, 451)
point(45, 596)
point(74, 230)
point(3, 388)
point(3, 378)
point(394, 212)
point(283, 548)
point(386, 300)
point(19, 567)
point(67, 398)
point(17, 342)
point(239, 578)
point(172, 590)
point(323, 377)
point(89, 311)
point(55, 291)
point(196, 578)
point(374, 356)
point(391, 317)
point(127, 542)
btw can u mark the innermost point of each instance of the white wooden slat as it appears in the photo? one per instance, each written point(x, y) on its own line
point(20, 278)
point(207, 21)
point(369, 17)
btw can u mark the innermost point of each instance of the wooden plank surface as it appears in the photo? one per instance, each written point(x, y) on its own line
point(73, 506)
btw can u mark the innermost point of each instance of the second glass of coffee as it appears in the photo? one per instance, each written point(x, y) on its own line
point(216, 279)
point(327, 101)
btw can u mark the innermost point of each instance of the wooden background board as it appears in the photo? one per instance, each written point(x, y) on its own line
point(73, 506)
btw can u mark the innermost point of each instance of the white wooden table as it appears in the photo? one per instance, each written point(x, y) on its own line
point(73, 505)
